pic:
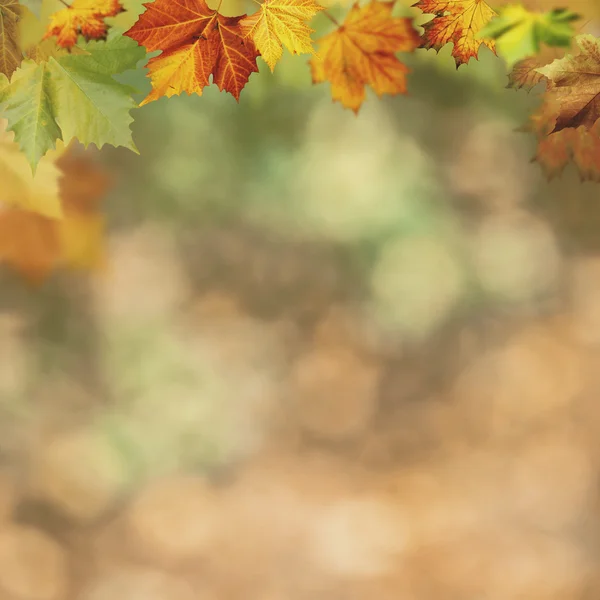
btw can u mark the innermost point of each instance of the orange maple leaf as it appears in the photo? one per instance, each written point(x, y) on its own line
point(457, 22)
point(83, 17)
point(35, 245)
point(196, 42)
point(362, 51)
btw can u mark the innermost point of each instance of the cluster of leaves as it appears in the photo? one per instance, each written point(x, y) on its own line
point(64, 87)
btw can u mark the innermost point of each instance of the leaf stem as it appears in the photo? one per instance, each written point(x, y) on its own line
point(331, 18)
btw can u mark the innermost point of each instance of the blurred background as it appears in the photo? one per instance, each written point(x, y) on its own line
point(328, 356)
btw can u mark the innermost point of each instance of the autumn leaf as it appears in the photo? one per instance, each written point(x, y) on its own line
point(35, 245)
point(574, 81)
point(556, 150)
point(519, 32)
point(20, 188)
point(72, 95)
point(196, 42)
point(525, 74)
point(82, 17)
point(10, 52)
point(457, 22)
point(281, 23)
point(362, 51)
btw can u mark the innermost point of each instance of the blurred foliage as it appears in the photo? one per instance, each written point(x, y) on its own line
point(340, 320)
point(314, 205)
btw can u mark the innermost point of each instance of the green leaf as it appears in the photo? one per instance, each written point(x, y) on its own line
point(27, 106)
point(519, 33)
point(117, 55)
point(72, 96)
point(90, 106)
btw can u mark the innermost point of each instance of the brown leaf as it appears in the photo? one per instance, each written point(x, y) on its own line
point(556, 149)
point(525, 74)
point(574, 82)
point(10, 51)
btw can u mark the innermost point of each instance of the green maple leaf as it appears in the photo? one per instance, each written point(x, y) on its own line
point(72, 96)
point(116, 55)
point(10, 52)
point(27, 105)
point(519, 33)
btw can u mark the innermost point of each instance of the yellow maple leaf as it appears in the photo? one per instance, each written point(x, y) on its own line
point(20, 188)
point(457, 22)
point(281, 23)
point(82, 17)
point(362, 52)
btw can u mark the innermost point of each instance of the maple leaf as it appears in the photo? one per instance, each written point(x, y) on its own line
point(35, 245)
point(72, 96)
point(556, 150)
point(457, 22)
point(362, 51)
point(196, 42)
point(574, 81)
point(10, 52)
point(281, 23)
point(525, 74)
point(39, 193)
point(519, 33)
point(82, 17)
